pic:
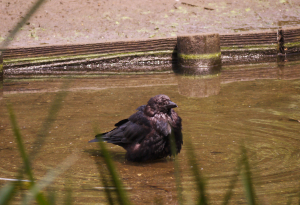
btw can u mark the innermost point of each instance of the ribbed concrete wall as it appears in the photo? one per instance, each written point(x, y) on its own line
point(144, 55)
point(291, 40)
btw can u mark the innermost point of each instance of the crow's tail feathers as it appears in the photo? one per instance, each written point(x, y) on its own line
point(94, 140)
point(98, 137)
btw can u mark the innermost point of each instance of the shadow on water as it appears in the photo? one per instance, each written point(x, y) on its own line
point(255, 104)
point(118, 156)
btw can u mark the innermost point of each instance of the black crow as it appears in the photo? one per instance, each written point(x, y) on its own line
point(146, 134)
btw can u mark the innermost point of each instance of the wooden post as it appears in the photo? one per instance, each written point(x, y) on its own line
point(199, 54)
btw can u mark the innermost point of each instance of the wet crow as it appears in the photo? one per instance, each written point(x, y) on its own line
point(146, 134)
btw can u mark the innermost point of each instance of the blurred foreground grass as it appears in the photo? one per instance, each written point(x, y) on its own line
point(36, 190)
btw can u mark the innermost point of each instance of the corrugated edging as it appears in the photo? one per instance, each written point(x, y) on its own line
point(145, 55)
point(291, 40)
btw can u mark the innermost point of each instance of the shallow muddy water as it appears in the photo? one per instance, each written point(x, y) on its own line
point(257, 105)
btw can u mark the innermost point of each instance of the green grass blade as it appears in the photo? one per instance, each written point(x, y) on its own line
point(121, 193)
point(20, 143)
point(51, 117)
point(230, 190)
point(21, 23)
point(232, 184)
point(39, 197)
point(289, 202)
point(247, 180)
point(103, 177)
point(177, 170)
point(68, 197)
point(49, 178)
point(51, 197)
point(105, 184)
point(198, 178)
point(7, 192)
point(158, 201)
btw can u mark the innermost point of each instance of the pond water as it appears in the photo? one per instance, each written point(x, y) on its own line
point(255, 104)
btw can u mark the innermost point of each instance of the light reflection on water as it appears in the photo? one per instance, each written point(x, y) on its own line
point(262, 111)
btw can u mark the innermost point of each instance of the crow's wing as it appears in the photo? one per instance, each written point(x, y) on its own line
point(121, 122)
point(128, 131)
point(140, 108)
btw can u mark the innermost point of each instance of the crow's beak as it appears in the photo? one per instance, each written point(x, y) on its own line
point(171, 105)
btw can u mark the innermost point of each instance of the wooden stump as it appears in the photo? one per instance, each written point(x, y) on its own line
point(198, 54)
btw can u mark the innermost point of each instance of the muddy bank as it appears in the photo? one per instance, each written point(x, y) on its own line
point(69, 22)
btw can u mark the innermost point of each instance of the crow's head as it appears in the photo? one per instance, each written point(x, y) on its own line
point(159, 103)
